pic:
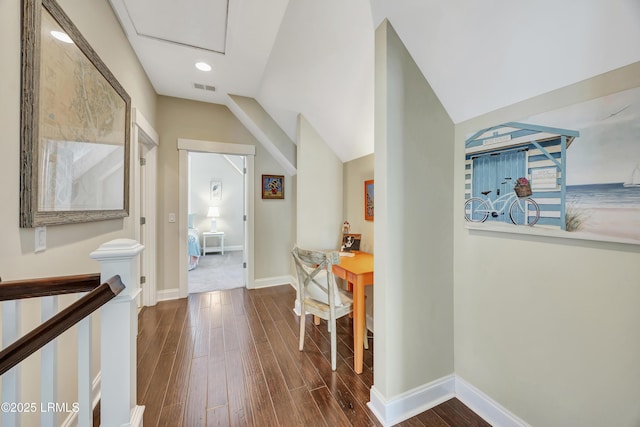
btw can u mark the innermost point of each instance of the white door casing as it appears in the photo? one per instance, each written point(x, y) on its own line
point(145, 143)
point(191, 145)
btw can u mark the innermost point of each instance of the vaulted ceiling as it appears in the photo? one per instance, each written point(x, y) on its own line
point(316, 57)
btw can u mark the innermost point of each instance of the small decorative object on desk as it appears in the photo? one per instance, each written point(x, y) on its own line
point(522, 188)
point(346, 228)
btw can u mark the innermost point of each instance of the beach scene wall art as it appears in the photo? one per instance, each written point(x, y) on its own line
point(582, 165)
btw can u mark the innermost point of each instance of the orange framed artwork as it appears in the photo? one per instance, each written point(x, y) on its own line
point(368, 200)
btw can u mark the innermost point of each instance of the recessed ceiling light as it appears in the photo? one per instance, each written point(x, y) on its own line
point(63, 37)
point(203, 66)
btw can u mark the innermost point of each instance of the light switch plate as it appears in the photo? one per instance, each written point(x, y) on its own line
point(172, 217)
point(40, 239)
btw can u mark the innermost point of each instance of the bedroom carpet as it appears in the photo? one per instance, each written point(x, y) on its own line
point(215, 272)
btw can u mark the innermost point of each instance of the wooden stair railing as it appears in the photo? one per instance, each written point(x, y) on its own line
point(56, 325)
point(34, 288)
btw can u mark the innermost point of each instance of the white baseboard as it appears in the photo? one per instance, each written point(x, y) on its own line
point(272, 281)
point(412, 402)
point(137, 414)
point(490, 410)
point(72, 419)
point(168, 294)
point(423, 398)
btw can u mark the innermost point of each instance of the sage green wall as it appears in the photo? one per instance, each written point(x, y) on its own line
point(413, 292)
point(548, 327)
point(274, 219)
point(355, 173)
point(319, 189)
point(68, 246)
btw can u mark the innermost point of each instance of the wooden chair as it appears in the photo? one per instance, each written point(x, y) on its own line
point(318, 292)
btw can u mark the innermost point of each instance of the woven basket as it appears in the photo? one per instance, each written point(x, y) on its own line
point(522, 190)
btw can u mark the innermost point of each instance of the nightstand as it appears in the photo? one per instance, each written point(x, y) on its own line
point(219, 235)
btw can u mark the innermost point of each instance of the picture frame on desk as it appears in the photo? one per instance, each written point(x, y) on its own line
point(351, 242)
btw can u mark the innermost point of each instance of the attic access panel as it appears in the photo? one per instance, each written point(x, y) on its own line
point(198, 23)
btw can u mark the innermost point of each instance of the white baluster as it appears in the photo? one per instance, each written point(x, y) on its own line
point(85, 389)
point(11, 313)
point(48, 364)
point(119, 328)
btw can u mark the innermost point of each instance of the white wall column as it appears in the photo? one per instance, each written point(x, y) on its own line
point(413, 292)
point(119, 328)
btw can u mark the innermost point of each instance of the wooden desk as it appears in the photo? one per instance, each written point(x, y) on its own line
point(358, 272)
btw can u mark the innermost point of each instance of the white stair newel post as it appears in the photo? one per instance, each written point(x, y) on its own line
point(119, 328)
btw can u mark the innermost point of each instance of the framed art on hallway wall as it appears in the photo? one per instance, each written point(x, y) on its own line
point(580, 166)
point(368, 200)
point(272, 186)
point(75, 125)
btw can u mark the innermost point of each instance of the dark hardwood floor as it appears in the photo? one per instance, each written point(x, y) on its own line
point(230, 358)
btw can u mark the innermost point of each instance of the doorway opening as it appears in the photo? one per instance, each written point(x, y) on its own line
point(215, 224)
point(216, 193)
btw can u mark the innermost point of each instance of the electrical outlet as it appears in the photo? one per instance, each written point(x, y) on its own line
point(172, 217)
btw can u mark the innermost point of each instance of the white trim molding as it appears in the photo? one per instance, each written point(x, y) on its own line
point(192, 145)
point(267, 282)
point(168, 294)
point(216, 147)
point(412, 402)
point(420, 399)
point(174, 293)
point(140, 120)
point(490, 410)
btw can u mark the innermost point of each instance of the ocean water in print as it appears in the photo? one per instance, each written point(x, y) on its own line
point(613, 195)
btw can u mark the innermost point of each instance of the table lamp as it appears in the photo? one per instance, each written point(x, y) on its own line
point(213, 213)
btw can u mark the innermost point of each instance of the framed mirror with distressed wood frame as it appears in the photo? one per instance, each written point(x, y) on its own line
point(75, 127)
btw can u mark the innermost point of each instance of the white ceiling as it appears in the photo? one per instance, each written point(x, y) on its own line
point(316, 57)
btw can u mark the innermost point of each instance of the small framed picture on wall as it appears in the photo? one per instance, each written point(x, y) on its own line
point(368, 200)
point(215, 188)
point(273, 186)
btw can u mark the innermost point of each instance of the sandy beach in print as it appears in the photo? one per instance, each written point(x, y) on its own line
point(622, 223)
point(606, 210)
